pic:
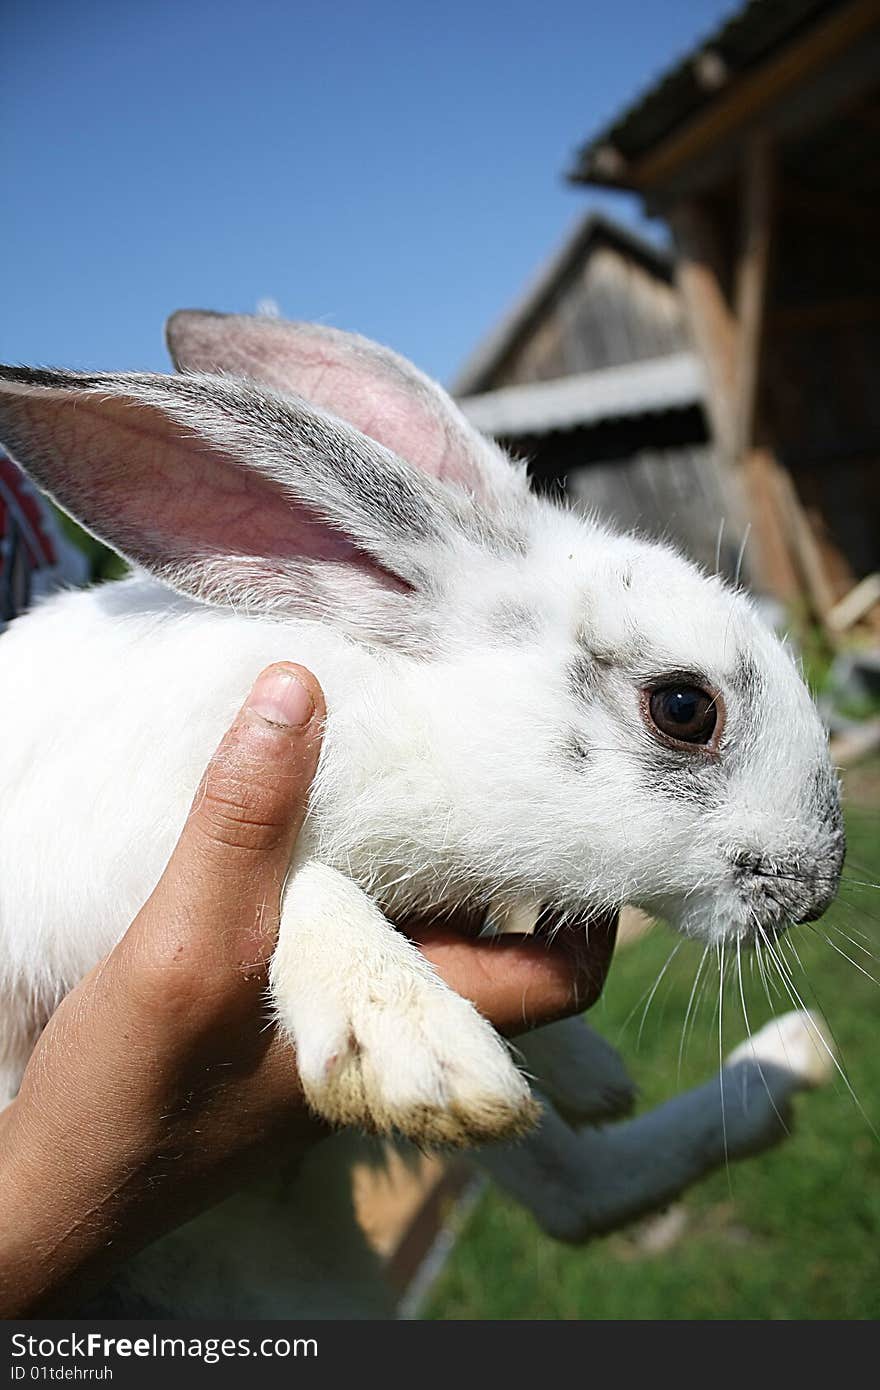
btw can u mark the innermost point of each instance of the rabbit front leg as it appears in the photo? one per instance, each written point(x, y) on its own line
point(381, 1042)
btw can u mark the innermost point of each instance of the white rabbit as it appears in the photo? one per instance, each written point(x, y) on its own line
point(521, 704)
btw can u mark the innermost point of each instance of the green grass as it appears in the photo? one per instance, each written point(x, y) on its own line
point(794, 1233)
point(104, 563)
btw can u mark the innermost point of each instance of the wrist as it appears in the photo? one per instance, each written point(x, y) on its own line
point(29, 1221)
point(60, 1215)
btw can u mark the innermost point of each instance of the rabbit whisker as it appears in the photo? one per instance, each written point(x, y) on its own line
point(649, 992)
point(718, 539)
point(690, 1004)
point(796, 999)
point(832, 926)
point(829, 942)
point(749, 1034)
point(721, 964)
point(868, 940)
point(741, 555)
point(669, 959)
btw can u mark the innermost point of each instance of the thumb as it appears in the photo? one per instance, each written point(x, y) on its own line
point(252, 800)
point(218, 898)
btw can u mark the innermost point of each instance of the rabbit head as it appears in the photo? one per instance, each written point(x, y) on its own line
point(632, 731)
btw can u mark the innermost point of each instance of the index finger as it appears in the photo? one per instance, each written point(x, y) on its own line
point(523, 982)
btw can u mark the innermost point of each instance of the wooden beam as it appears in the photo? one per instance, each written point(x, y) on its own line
point(770, 496)
point(752, 272)
point(773, 560)
point(749, 96)
point(789, 557)
point(804, 547)
point(700, 264)
point(785, 555)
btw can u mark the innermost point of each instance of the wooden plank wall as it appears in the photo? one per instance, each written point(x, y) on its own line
point(657, 474)
point(822, 368)
point(681, 495)
point(610, 311)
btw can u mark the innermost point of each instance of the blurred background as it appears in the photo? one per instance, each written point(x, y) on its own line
point(638, 241)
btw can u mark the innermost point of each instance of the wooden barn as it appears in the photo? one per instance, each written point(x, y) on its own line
point(592, 378)
point(761, 149)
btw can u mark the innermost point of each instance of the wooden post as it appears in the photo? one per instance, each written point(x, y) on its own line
point(700, 269)
point(699, 273)
point(789, 557)
point(770, 503)
point(752, 273)
point(730, 340)
point(805, 550)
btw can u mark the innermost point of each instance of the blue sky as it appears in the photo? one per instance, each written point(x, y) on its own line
point(391, 168)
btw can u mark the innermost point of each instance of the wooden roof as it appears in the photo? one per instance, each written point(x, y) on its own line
point(774, 63)
point(745, 39)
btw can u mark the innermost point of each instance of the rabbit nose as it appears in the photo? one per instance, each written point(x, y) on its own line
point(823, 895)
point(783, 890)
point(814, 913)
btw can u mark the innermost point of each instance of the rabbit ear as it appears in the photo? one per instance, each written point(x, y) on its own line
point(229, 493)
point(380, 393)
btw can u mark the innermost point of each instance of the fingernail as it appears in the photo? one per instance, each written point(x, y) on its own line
point(279, 696)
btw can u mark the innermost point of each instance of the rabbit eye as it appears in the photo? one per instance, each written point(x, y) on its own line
point(684, 713)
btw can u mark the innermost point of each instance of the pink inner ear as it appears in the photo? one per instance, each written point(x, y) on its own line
point(150, 487)
point(359, 383)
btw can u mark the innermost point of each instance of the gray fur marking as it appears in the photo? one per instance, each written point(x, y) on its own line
point(582, 674)
point(575, 749)
point(514, 621)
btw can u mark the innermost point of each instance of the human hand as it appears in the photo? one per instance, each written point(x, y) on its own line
point(157, 1086)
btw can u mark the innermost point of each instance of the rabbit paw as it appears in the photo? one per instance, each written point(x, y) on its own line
point(422, 1064)
point(381, 1042)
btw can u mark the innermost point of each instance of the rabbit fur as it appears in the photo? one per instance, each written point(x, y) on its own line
point(486, 656)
